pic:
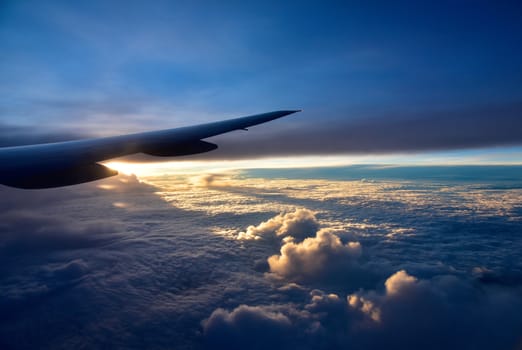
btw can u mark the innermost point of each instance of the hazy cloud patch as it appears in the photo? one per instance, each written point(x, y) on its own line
point(69, 270)
point(211, 180)
point(44, 233)
point(24, 232)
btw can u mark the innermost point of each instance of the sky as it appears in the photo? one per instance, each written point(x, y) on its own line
point(386, 214)
point(372, 77)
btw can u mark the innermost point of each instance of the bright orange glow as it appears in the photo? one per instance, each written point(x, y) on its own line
point(187, 167)
point(177, 166)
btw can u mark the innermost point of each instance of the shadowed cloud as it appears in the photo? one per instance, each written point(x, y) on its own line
point(443, 312)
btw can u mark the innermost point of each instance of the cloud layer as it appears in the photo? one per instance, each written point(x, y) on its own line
point(336, 264)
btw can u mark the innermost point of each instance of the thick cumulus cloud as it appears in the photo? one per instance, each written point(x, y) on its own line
point(307, 253)
point(323, 322)
point(443, 312)
point(398, 282)
point(431, 310)
point(315, 257)
point(237, 329)
point(299, 224)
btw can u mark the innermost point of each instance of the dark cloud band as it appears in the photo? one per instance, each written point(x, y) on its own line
point(408, 132)
point(391, 133)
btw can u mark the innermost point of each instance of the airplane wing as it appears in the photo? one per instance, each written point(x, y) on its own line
point(74, 162)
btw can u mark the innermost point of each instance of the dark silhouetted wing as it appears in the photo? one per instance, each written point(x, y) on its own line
point(73, 162)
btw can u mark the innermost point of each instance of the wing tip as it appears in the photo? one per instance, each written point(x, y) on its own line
point(285, 112)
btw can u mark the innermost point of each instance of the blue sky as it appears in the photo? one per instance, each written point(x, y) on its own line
point(103, 67)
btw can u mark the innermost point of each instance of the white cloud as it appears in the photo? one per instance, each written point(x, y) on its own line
point(364, 305)
point(313, 257)
point(299, 224)
point(398, 281)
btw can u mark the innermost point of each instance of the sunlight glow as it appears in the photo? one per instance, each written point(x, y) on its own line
point(491, 156)
point(187, 167)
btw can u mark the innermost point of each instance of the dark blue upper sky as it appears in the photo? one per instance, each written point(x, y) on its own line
point(113, 66)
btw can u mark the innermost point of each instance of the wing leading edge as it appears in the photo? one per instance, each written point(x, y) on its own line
point(74, 162)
